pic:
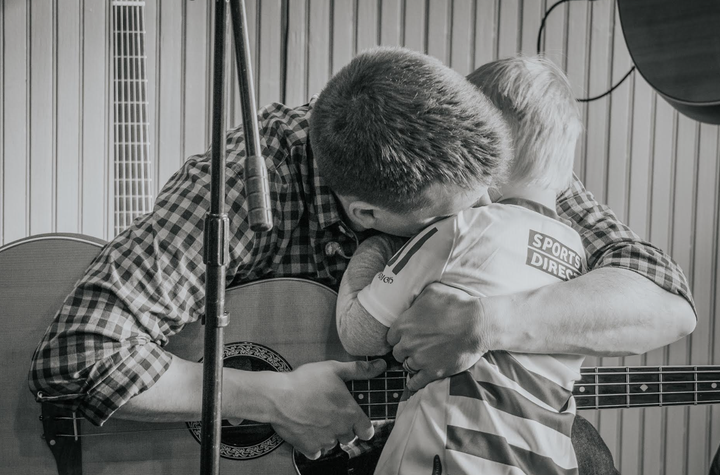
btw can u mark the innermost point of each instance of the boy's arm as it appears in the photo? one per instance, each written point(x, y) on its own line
point(360, 333)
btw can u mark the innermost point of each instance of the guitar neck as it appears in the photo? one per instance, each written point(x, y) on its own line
point(643, 386)
point(598, 388)
point(133, 177)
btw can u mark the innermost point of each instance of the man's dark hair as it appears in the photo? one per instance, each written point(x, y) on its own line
point(393, 122)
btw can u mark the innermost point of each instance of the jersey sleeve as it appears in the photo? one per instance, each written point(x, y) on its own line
point(421, 261)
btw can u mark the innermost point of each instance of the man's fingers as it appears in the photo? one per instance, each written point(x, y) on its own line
point(312, 456)
point(364, 429)
point(393, 336)
point(399, 353)
point(361, 369)
point(419, 380)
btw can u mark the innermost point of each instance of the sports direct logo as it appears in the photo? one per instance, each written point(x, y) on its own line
point(552, 257)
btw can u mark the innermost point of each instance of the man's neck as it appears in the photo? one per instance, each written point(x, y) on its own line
point(537, 194)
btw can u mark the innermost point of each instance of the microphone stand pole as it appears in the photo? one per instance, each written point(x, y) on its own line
point(216, 236)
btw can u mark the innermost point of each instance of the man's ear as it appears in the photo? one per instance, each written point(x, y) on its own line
point(363, 213)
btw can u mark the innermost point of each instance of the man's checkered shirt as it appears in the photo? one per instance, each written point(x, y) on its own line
point(106, 343)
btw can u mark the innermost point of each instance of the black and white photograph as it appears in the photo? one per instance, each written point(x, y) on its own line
point(360, 237)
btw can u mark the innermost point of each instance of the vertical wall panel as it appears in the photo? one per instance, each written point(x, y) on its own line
point(462, 36)
point(577, 67)
point(619, 133)
point(297, 52)
point(41, 93)
point(595, 152)
point(554, 34)
point(509, 28)
point(269, 54)
point(16, 131)
point(438, 30)
point(532, 12)
point(169, 83)
point(94, 115)
point(343, 33)
point(391, 25)
point(69, 114)
point(415, 25)
point(2, 121)
point(486, 29)
point(197, 74)
point(367, 27)
point(658, 170)
point(318, 54)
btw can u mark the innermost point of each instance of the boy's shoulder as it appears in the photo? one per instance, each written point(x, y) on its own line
point(501, 219)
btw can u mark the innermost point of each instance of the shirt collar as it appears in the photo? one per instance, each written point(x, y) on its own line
point(532, 206)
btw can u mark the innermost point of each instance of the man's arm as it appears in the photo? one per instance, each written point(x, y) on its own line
point(634, 299)
point(296, 403)
point(104, 350)
point(361, 333)
point(607, 312)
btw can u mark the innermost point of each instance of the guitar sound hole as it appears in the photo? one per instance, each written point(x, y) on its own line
point(246, 439)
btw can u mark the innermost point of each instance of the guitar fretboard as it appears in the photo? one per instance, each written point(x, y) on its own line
point(133, 172)
point(598, 388)
point(647, 386)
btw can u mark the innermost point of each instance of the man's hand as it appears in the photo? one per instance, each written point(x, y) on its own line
point(443, 333)
point(313, 410)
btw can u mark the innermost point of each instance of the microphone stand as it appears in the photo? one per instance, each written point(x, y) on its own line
point(216, 234)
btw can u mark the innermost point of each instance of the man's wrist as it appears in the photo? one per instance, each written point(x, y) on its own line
point(249, 395)
point(494, 317)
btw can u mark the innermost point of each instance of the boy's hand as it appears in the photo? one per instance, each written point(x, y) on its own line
point(441, 334)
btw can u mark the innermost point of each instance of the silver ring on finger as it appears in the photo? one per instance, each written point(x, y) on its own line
point(406, 366)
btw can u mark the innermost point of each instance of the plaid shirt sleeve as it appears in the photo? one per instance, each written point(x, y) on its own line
point(106, 343)
point(610, 243)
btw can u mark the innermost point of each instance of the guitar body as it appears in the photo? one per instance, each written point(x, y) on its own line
point(280, 324)
point(275, 324)
point(676, 47)
point(35, 276)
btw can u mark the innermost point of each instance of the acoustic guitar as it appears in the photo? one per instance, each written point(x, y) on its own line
point(675, 45)
point(276, 325)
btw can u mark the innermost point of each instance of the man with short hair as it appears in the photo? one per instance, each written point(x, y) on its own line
point(104, 352)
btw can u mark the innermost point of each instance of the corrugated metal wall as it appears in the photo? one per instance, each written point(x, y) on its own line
point(658, 170)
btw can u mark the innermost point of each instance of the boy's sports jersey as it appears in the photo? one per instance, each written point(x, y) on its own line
point(510, 413)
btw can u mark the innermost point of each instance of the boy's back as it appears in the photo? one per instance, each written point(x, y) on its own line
point(509, 410)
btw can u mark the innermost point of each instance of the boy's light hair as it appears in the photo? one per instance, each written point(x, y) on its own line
point(538, 104)
point(394, 122)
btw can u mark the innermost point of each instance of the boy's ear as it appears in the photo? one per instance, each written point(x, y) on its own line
point(363, 213)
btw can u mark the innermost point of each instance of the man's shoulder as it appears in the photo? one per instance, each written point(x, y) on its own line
point(283, 129)
point(290, 125)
